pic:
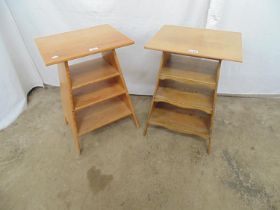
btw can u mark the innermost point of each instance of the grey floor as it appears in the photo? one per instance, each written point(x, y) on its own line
point(121, 169)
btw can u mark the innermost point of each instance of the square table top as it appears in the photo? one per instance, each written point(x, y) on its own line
point(204, 43)
point(79, 43)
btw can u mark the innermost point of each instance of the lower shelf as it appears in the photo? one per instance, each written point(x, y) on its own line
point(101, 114)
point(180, 122)
point(184, 99)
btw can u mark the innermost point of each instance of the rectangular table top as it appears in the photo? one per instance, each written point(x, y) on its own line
point(75, 44)
point(204, 43)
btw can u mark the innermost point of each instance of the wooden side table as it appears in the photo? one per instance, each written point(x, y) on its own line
point(93, 93)
point(186, 90)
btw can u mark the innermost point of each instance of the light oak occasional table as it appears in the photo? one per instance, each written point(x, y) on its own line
point(93, 93)
point(186, 89)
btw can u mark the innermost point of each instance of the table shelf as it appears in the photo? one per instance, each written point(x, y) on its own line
point(93, 92)
point(101, 114)
point(96, 93)
point(180, 122)
point(188, 77)
point(185, 99)
point(92, 71)
point(191, 71)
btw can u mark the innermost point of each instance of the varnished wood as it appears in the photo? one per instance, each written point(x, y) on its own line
point(93, 92)
point(188, 73)
point(92, 71)
point(101, 114)
point(184, 99)
point(214, 105)
point(165, 57)
point(210, 45)
point(203, 43)
point(67, 101)
point(96, 93)
point(79, 43)
point(111, 57)
point(180, 122)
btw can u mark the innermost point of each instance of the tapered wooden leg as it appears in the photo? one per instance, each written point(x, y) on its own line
point(148, 118)
point(77, 143)
point(67, 101)
point(146, 129)
point(111, 57)
point(164, 59)
point(214, 105)
point(135, 120)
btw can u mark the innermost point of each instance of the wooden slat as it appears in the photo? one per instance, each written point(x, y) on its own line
point(180, 122)
point(79, 43)
point(188, 77)
point(204, 43)
point(184, 99)
point(96, 93)
point(101, 114)
point(90, 72)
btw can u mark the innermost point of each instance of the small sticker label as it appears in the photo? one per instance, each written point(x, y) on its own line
point(193, 51)
point(55, 56)
point(93, 49)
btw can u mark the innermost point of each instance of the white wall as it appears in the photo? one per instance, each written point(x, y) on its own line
point(22, 20)
point(137, 19)
point(17, 71)
point(259, 22)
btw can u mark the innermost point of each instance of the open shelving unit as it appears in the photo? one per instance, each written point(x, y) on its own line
point(93, 92)
point(186, 88)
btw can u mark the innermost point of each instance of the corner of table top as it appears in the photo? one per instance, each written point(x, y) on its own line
point(197, 42)
point(79, 43)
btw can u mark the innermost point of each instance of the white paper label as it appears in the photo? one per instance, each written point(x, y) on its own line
point(55, 56)
point(193, 51)
point(93, 49)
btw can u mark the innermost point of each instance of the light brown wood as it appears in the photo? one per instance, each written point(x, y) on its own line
point(93, 92)
point(96, 93)
point(201, 52)
point(184, 99)
point(214, 106)
point(67, 101)
point(204, 43)
point(165, 57)
point(180, 122)
point(92, 71)
point(111, 57)
point(101, 114)
point(190, 73)
point(79, 43)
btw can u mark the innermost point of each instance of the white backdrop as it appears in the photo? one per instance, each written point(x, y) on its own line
point(259, 22)
point(23, 20)
point(17, 71)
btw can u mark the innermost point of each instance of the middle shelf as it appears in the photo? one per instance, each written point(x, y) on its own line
point(184, 99)
point(96, 93)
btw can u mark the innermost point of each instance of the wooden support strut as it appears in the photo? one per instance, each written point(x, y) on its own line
point(111, 57)
point(214, 106)
point(67, 101)
point(164, 59)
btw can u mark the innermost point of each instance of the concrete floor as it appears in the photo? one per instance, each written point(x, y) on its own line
point(121, 169)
